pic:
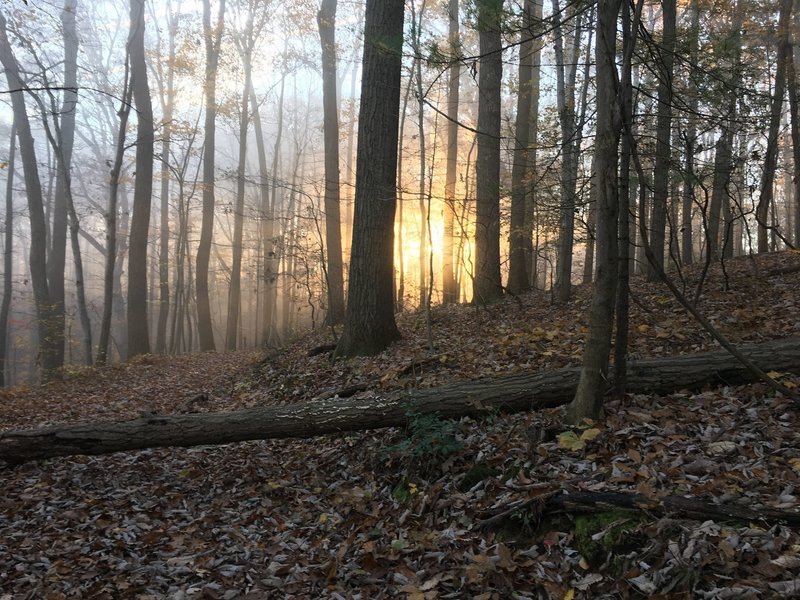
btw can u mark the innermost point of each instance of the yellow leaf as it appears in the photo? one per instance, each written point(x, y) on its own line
point(643, 328)
point(323, 518)
point(795, 462)
point(570, 441)
point(590, 434)
point(570, 595)
point(775, 374)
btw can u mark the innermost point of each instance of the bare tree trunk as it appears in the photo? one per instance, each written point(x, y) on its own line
point(589, 396)
point(771, 155)
point(486, 285)
point(450, 290)
point(213, 38)
point(235, 289)
point(167, 106)
point(326, 21)
point(565, 99)
point(267, 226)
point(661, 169)
point(690, 140)
point(111, 222)
point(521, 172)
point(8, 248)
point(46, 318)
point(138, 331)
point(416, 28)
point(369, 322)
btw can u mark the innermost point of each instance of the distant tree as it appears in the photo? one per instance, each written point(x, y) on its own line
point(212, 36)
point(8, 246)
point(166, 83)
point(771, 155)
point(369, 322)
point(662, 167)
point(326, 21)
point(566, 51)
point(138, 331)
point(486, 285)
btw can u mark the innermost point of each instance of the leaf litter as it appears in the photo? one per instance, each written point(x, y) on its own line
point(353, 516)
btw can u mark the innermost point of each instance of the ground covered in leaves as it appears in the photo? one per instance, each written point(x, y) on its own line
point(442, 509)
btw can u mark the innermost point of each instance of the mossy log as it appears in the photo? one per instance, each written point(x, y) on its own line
point(512, 393)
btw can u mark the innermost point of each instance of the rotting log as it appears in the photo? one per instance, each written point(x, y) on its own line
point(511, 393)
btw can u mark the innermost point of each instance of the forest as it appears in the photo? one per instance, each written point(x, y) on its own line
point(398, 298)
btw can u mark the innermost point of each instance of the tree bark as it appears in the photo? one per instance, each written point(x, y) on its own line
point(369, 321)
point(46, 319)
point(487, 286)
point(771, 155)
point(213, 38)
point(8, 248)
point(661, 168)
point(589, 395)
point(138, 331)
point(511, 393)
point(326, 21)
point(450, 294)
point(521, 172)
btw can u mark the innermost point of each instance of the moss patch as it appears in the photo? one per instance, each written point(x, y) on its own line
point(603, 534)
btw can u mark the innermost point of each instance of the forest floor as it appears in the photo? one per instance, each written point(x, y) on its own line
point(401, 514)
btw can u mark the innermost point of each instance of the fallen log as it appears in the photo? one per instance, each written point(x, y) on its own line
point(685, 508)
point(512, 393)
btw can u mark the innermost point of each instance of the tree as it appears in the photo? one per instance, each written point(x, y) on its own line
point(213, 38)
point(771, 154)
point(326, 21)
point(8, 246)
point(369, 318)
point(167, 96)
point(661, 169)
point(486, 285)
point(566, 69)
point(138, 331)
point(591, 387)
point(46, 316)
point(521, 173)
point(450, 290)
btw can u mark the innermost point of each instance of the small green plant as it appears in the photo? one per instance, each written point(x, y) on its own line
point(429, 440)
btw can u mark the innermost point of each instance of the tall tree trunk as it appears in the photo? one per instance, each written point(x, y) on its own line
point(565, 99)
point(531, 252)
point(589, 396)
point(326, 21)
point(450, 290)
point(235, 289)
point(771, 155)
point(167, 107)
point(47, 322)
point(521, 173)
point(267, 225)
point(213, 38)
point(369, 322)
point(690, 140)
point(138, 331)
point(486, 285)
point(794, 120)
point(661, 168)
point(416, 29)
point(8, 248)
point(110, 271)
